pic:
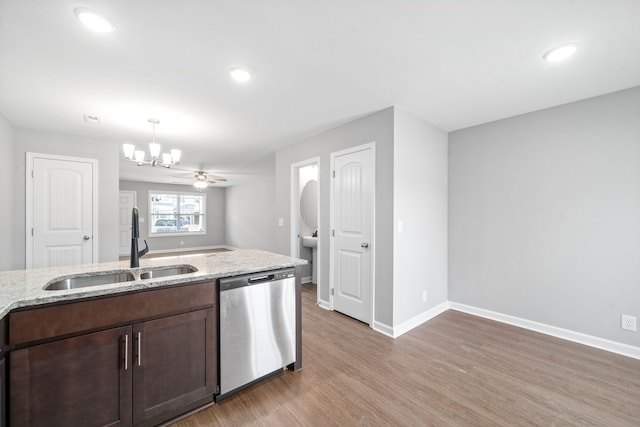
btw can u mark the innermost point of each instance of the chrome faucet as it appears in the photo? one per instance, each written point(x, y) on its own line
point(135, 234)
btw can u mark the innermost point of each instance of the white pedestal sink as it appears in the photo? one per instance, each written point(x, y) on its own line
point(312, 242)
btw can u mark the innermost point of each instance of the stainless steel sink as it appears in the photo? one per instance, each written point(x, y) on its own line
point(99, 278)
point(169, 270)
point(111, 277)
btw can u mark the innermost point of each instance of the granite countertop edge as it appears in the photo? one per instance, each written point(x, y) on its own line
point(24, 288)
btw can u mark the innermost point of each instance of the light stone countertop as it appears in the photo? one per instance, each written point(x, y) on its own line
point(24, 288)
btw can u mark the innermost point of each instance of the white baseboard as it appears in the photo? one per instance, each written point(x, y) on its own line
point(407, 325)
point(324, 304)
point(382, 328)
point(566, 334)
point(306, 279)
point(418, 320)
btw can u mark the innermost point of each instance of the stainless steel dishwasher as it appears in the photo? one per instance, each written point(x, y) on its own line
point(257, 327)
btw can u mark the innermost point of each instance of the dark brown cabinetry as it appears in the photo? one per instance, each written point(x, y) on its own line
point(75, 381)
point(134, 359)
point(173, 365)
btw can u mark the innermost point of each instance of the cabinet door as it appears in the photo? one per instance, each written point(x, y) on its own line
point(174, 365)
point(84, 381)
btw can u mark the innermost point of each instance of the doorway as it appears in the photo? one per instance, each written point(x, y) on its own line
point(352, 227)
point(305, 218)
point(61, 210)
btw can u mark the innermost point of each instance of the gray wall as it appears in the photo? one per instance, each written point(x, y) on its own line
point(7, 180)
point(376, 127)
point(420, 202)
point(215, 216)
point(250, 208)
point(545, 215)
point(106, 152)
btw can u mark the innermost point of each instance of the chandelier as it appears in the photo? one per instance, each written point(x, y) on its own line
point(166, 159)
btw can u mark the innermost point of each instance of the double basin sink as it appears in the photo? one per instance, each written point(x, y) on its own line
point(117, 276)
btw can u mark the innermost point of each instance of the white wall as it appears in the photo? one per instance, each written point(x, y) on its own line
point(7, 215)
point(214, 216)
point(420, 203)
point(545, 215)
point(106, 152)
point(376, 127)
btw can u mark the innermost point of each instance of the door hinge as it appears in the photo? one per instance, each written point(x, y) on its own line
point(332, 291)
point(32, 231)
point(31, 173)
point(333, 233)
point(334, 174)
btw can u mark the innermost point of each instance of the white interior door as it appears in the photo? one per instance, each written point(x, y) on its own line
point(353, 225)
point(60, 211)
point(127, 202)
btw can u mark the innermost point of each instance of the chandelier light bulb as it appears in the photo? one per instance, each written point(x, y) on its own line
point(139, 156)
point(128, 150)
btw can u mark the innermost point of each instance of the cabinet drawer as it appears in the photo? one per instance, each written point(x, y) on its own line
point(66, 319)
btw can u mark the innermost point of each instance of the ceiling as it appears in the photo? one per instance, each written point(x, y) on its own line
point(317, 64)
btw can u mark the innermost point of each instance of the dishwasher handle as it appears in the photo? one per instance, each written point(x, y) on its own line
point(234, 282)
point(260, 279)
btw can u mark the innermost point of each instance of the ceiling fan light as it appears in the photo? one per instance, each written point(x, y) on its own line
point(175, 155)
point(154, 148)
point(166, 158)
point(93, 21)
point(128, 150)
point(200, 184)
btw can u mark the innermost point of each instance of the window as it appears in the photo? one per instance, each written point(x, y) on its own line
point(176, 213)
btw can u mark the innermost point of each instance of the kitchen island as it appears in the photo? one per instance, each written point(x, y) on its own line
point(138, 352)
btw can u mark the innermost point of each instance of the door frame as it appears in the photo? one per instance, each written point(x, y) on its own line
point(295, 209)
point(368, 146)
point(30, 157)
point(135, 203)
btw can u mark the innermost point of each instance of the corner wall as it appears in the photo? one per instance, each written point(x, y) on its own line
point(420, 204)
point(7, 183)
point(544, 216)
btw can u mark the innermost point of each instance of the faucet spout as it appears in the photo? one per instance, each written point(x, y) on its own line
point(135, 234)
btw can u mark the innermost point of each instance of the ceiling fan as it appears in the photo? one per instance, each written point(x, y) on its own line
point(201, 180)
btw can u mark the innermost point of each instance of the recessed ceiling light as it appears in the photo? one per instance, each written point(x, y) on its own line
point(93, 21)
point(240, 74)
point(560, 53)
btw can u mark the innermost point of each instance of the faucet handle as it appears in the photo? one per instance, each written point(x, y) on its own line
point(145, 250)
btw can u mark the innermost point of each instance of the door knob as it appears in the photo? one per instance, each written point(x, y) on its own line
point(86, 237)
point(364, 245)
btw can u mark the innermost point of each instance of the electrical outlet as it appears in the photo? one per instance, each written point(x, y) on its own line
point(628, 322)
point(424, 296)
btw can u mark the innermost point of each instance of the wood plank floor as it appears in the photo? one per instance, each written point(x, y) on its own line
point(455, 370)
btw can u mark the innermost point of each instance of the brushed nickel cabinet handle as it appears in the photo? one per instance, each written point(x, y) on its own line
point(86, 237)
point(126, 352)
point(139, 348)
point(364, 245)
